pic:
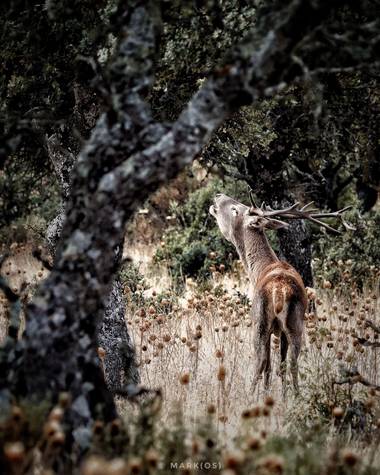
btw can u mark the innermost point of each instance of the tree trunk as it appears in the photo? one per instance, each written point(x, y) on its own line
point(119, 361)
point(294, 241)
point(295, 248)
point(127, 157)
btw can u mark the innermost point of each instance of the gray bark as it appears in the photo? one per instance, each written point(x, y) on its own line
point(120, 360)
point(294, 241)
point(295, 246)
point(127, 157)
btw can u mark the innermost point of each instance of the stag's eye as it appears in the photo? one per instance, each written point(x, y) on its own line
point(234, 211)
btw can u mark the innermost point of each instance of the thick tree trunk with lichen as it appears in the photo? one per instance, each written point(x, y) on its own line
point(295, 243)
point(295, 247)
point(127, 157)
point(266, 179)
point(119, 360)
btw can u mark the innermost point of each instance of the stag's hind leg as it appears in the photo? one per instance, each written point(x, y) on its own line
point(294, 335)
point(262, 357)
point(268, 367)
point(295, 348)
point(261, 344)
point(284, 351)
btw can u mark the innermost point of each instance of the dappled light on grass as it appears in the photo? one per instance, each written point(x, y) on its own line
point(199, 351)
point(197, 347)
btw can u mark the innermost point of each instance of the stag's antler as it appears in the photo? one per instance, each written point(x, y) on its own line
point(251, 197)
point(306, 212)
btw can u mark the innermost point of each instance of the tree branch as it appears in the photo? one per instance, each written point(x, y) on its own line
point(127, 157)
point(58, 350)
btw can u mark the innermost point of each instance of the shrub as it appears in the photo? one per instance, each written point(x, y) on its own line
point(352, 255)
point(131, 277)
point(194, 246)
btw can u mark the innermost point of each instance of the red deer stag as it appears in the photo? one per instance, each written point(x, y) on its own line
point(276, 289)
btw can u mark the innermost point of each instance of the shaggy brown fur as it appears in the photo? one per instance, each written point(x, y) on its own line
point(277, 292)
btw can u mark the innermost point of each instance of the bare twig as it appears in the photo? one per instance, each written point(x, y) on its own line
point(375, 328)
point(365, 342)
point(354, 377)
point(43, 258)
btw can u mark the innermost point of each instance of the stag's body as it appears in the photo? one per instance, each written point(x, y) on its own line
point(278, 307)
point(276, 289)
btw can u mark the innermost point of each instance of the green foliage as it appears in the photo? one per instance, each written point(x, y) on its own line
point(195, 235)
point(295, 144)
point(352, 255)
point(131, 277)
point(26, 189)
point(31, 211)
point(196, 36)
point(135, 287)
point(45, 87)
point(133, 283)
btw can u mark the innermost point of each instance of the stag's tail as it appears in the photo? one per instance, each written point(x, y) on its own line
point(279, 299)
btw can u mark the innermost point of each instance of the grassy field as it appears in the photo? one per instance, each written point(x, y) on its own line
point(196, 347)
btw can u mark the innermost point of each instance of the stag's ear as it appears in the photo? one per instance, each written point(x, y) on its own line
point(257, 222)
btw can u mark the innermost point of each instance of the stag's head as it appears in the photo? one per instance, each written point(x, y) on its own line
point(235, 219)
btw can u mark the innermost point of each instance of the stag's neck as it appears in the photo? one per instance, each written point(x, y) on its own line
point(256, 254)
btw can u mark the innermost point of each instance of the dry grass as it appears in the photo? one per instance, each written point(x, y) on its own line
point(198, 348)
point(199, 351)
